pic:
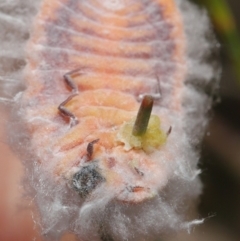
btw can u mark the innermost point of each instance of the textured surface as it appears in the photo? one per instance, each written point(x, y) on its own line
point(121, 48)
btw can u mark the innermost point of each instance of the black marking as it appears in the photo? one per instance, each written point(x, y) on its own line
point(86, 180)
point(138, 171)
point(169, 131)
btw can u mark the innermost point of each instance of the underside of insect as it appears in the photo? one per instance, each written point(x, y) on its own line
point(132, 134)
point(86, 180)
point(106, 103)
point(119, 65)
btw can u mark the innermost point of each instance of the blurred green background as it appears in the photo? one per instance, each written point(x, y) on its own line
point(221, 148)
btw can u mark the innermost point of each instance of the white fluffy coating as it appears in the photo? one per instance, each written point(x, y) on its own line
point(102, 217)
point(15, 22)
point(114, 4)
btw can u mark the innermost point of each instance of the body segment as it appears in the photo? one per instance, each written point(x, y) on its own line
point(121, 50)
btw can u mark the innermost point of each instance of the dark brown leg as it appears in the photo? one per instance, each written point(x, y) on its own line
point(64, 111)
point(68, 77)
point(169, 131)
point(90, 148)
point(69, 81)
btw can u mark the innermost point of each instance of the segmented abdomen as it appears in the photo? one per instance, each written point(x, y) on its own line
point(121, 48)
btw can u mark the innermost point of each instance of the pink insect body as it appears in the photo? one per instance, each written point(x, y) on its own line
point(89, 65)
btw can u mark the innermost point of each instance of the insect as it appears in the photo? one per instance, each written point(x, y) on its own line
point(90, 65)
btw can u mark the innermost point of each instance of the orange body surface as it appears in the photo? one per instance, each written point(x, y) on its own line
point(121, 50)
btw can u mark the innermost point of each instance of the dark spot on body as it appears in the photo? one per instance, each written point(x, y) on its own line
point(86, 180)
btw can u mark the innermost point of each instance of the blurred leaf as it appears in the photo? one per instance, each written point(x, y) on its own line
point(225, 26)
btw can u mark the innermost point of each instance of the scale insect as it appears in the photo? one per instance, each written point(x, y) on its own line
point(105, 105)
point(88, 177)
point(115, 64)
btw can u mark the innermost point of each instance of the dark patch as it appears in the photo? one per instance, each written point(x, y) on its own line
point(104, 234)
point(86, 180)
